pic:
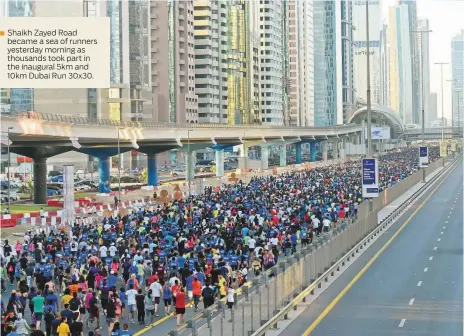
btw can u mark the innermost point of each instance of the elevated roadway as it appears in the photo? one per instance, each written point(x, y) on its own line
point(414, 286)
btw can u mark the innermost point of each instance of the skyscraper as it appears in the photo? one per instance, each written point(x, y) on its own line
point(400, 68)
point(433, 107)
point(17, 100)
point(457, 69)
point(272, 67)
point(301, 61)
point(424, 63)
point(173, 62)
point(333, 75)
point(360, 65)
point(412, 26)
point(384, 67)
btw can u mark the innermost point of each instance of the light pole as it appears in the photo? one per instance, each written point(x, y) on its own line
point(441, 64)
point(368, 98)
point(189, 160)
point(8, 168)
point(420, 32)
point(245, 153)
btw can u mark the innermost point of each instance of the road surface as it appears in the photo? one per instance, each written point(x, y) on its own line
point(414, 287)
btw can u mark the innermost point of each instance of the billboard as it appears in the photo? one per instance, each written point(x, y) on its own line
point(370, 178)
point(423, 157)
point(379, 133)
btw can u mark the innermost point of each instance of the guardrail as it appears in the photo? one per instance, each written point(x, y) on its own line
point(272, 323)
point(118, 123)
point(260, 304)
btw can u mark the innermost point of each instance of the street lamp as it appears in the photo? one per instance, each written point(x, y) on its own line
point(189, 160)
point(420, 32)
point(8, 168)
point(368, 98)
point(441, 64)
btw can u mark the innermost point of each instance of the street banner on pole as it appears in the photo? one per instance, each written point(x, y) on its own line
point(443, 149)
point(370, 178)
point(423, 157)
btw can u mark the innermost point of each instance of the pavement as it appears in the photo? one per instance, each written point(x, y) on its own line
point(414, 287)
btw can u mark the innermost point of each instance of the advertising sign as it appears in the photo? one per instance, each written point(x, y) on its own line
point(370, 178)
point(423, 157)
point(443, 149)
point(68, 194)
point(379, 133)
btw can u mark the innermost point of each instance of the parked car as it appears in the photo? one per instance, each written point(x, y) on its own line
point(52, 173)
point(82, 187)
point(54, 179)
point(90, 183)
point(13, 197)
point(177, 172)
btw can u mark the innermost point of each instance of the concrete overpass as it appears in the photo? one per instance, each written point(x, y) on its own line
point(42, 135)
point(432, 133)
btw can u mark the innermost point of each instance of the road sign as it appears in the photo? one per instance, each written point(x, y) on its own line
point(370, 178)
point(423, 157)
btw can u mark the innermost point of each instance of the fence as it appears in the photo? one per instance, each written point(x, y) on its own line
point(257, 302)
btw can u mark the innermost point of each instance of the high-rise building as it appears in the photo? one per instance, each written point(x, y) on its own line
point(16, 100)
point(400, 68)
point(433, 107)
point(384, 67)
point(272, 67)
point(173, 62)
point(424, 62)
point(412, 27)
point(457, 68)
point(360, 41)
point(334, 92)
point(301, 61)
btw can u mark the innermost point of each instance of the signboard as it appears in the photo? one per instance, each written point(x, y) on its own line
point(423, 157)
point(443, 149)
point(370, 178)
point(68, 195)
point(379, 133)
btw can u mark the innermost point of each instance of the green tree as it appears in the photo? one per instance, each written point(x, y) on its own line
point(27, 188)
point(144, 175)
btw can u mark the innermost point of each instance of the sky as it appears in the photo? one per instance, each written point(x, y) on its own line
point(446, 19)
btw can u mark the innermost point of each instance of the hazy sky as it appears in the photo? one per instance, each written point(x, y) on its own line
point(446, 19)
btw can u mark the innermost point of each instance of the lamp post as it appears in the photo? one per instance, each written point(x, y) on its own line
point(368, 98)
point(420, 32)
point(189, 160)
point(442, 101)
point(8, 168)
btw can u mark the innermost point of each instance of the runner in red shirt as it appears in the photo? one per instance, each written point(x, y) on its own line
point(180, 306)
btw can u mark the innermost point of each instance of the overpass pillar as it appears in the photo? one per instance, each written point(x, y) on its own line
point(298, 154)
point(152, 170)
point(190, 165)
point(283, 155)
point(335, 152)
point(312, 151)
point(265, 157)
point(40, 180)
point(219, 162)
point(324, 150)
point(343, 149)
point(104, 181)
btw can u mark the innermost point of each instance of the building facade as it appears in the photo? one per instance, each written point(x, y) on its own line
point(400, 68)
point(457, 69)
point(424, 63)
point(384, 67)
point(360, 41)
point(433, 107)
point(272, 67)
point(301, 62)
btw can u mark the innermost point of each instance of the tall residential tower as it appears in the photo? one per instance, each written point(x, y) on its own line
point(457, 68)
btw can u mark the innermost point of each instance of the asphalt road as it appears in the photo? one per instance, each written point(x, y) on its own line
point(415, 287)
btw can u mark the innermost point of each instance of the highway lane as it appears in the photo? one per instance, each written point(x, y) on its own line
point(413, 288)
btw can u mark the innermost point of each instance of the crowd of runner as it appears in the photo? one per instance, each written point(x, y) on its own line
point(169, 257)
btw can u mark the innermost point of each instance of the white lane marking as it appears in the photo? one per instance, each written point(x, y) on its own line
point(426, 269)
point(446, 222)
point(435, 248)
point(411, 301)
point(441, 232)
point(444, 227)
point(438, 239)
point(403, 321)
point(431, 258)
point(419, 284)
point(448, 217)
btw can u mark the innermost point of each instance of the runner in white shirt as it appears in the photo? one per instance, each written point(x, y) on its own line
point(316, 223)
point(326, 224)
point(113, 250)
point(156, 289)
point(130, 294)
point(103, 251)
